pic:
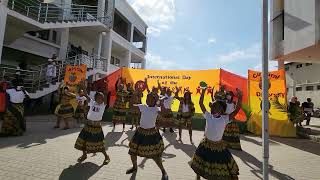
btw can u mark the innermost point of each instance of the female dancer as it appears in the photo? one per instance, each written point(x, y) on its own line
point(119, 108)
point(91, 137)
point(134, 111)
point(185, 112)
point(231, 135)
point(212, 160)
point(81, 108)
point(147, 141)
point(14, 123)
point(65, 110)
point(166, 118)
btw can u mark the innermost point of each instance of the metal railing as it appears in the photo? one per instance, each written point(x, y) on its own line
point(50, 12)
point(35, 80)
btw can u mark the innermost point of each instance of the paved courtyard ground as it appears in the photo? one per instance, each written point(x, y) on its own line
point(45, 153)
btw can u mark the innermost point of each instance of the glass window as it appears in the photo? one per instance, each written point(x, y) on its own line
point(309, 88)
point(298, 88)
point(299, 66)
point(308, 64)
point(318, 87)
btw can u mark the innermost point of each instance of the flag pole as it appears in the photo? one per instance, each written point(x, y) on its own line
point(265, 87)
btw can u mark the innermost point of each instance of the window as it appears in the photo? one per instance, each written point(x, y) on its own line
point(318, 87)
point(286, 68)
point(308, 64)
point(115, 61)
point(54, 36)
point(298, 88)
point(309, 88)
point(299, 66)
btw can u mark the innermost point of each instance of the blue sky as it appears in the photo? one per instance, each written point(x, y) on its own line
point(203, 34)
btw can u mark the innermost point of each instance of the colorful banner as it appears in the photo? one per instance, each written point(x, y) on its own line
point(279, 124)
point(75, 74)
point(181, 79)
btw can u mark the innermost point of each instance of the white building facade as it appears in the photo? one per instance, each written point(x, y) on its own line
point(105, 35)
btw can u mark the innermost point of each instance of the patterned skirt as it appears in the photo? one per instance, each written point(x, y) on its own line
point(80, 112)
point(65, 111)
point(185, 120)
point(135, 115)
point(213, 161)
point(231, 136)
point(91, 138)
point(13, 121)
point(146, 143)
point(166, 119)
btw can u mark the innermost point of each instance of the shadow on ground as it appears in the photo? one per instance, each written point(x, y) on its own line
point(256, 166)
point(79, 171)
point(302, 144)
point(37, 134)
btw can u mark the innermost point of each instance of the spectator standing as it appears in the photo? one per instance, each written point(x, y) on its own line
point(308, 110)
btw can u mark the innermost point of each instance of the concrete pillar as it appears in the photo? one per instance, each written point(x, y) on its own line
point(99, 44)
point(131, 32)
point(106, 49)
point(3, 20)
point(101, 8)
point(143, 63)
point(64, 41)
point(125, 62)
point(280, 64)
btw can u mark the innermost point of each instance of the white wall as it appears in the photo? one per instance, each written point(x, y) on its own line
point(300, 25)
point(35, 46)
point(126, 10)
point(80, 40)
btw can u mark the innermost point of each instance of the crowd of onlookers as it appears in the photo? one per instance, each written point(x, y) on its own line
point(300, 112)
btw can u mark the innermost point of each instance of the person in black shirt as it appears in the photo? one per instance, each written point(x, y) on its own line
point(308, 110)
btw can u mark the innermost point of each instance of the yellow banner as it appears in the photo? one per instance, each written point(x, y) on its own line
point(182, 79)
point(279, 124)
point(75, 74)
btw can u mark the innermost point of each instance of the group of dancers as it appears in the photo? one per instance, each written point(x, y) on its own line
point(211, 160)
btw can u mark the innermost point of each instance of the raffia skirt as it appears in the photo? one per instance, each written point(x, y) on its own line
point(166, 119)
point(13, 121)
point(185, 120)
point(65, 111)
point(91, 138)
point(212, 160)
point(231, 136)
point(146, 143)
point(135, 115)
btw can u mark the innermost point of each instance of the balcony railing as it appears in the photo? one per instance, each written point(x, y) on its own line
point(49, 12)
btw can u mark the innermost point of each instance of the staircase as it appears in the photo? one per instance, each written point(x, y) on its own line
point(50, 15)
point(35, 81)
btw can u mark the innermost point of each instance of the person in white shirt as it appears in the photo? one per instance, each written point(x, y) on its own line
point(147, 141)
point(166, 118)
point(81, 107)
point(91, 137)
point(51, 71)
point(185, 112)
point(13, 121)
point(212, 160)
point(231, 135)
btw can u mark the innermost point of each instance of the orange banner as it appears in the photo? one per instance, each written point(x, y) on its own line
point(279, 124)
point(75, 74)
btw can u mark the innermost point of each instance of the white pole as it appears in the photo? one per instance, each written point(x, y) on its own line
point(265, 87)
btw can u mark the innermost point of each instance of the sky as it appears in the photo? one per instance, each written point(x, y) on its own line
point(203, 34)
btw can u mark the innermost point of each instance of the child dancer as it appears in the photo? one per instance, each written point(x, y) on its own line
point(119, 108)
point(134, 111)
point(81, 108)
point(231, 135)
point(185, 112)
point(91, 137)
point(166, 115)
point(212, 160)
point(65, 110)
point(147, 141)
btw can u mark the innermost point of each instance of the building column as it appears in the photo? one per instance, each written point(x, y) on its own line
point(64, 41)
point(125, 62)
point(143, 63)
point(106, 49)
point(131, 32)
point(280, 64)
point(3, 20)
point(101, 8)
